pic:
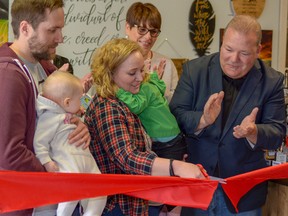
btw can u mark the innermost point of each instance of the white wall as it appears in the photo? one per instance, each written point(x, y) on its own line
point(174, 39)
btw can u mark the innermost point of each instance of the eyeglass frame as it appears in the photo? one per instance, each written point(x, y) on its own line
point(151, 31)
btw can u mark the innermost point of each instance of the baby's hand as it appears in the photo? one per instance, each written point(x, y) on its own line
point(51, 167)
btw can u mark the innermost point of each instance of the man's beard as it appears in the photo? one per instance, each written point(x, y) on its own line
point(39, 51)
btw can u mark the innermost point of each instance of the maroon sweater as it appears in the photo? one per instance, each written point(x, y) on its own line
point(17, 117)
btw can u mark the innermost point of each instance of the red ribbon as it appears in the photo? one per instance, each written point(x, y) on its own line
point(238, 186)
point(23, 190)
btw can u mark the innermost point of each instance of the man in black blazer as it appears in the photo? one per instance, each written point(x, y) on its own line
point(231, 107)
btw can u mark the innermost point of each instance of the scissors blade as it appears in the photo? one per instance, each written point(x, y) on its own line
point(220, 180)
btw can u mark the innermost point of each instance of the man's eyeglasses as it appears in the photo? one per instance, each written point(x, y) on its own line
point(143, 31)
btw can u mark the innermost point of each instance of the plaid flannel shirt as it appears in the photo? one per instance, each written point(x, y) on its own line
point(118, 146)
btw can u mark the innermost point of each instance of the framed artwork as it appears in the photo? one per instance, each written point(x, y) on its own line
point(178, 62)
point(201, 26)
point(249, 7)
point(266, 51)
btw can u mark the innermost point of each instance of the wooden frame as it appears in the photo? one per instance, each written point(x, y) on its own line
point(178, 62)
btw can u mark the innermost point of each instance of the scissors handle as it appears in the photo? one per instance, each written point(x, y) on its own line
point(203, 171)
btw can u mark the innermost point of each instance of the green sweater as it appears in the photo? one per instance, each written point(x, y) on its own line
point(152, 108)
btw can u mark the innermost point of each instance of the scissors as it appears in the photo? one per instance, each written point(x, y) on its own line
point(213, 178)
point(220, 180)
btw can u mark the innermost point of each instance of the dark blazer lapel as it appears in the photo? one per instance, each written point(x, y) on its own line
point(215, 78)
point(247, 89)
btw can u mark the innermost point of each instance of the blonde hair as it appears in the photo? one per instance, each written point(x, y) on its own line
point(60, 85)
point(246, 24)
point(105, 61)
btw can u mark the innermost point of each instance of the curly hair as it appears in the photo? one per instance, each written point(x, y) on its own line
point(105, 61)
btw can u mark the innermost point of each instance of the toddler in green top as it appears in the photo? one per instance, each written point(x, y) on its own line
point(152, 108)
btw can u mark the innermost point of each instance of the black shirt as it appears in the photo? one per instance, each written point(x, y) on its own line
point(231, 88)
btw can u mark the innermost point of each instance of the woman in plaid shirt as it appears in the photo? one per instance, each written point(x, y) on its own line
point(119, 143)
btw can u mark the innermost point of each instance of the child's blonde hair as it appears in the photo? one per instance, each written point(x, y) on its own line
point(60, 85)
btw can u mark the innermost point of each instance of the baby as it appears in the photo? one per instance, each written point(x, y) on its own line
point(56, 105)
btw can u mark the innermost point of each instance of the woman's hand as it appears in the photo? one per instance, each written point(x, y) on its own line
point(161, 167)
point(87, 82)
point(64, 67)
point(160, 68)
point(189, 170)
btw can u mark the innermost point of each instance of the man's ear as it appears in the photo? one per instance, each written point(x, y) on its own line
point(24, 28)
